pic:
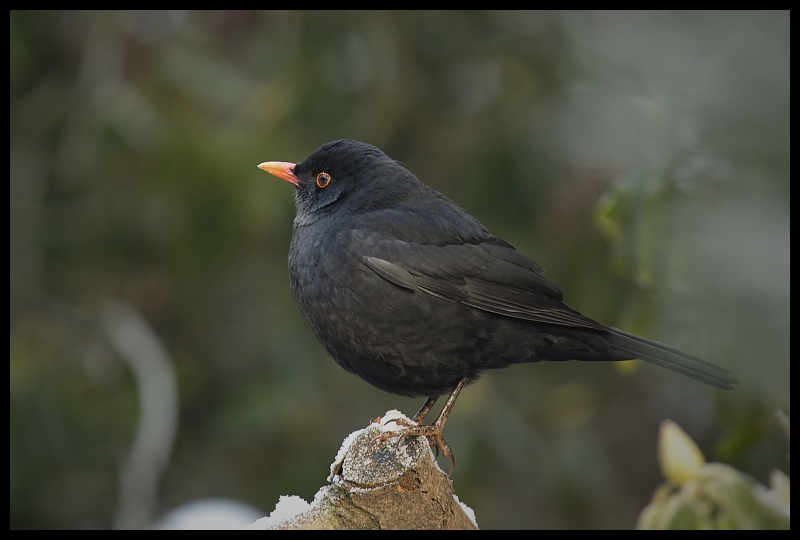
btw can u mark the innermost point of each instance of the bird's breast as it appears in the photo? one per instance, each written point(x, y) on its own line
point(403, 341)
point(340, 297)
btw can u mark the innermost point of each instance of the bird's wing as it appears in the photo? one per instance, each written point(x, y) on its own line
point(487, 274)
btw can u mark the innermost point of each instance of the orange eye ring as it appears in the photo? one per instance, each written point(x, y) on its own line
point(323, 179)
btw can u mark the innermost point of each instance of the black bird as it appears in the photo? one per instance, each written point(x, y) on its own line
point(411, 293)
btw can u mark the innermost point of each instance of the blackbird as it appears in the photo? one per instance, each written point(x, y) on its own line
point(411, 293)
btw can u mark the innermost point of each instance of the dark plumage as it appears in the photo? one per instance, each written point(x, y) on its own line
point(411, 293)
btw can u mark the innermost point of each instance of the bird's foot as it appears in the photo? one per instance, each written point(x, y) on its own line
point(432, 432)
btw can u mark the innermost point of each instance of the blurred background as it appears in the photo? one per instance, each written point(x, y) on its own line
point(157, 357)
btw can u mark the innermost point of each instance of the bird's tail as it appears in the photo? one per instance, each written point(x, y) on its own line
point(671, 358)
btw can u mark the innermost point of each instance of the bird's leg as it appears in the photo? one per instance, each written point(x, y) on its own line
point(420, 416)
point(433, 432)
point(424, 410)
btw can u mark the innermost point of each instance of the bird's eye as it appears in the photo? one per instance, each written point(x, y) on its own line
point(323, 179)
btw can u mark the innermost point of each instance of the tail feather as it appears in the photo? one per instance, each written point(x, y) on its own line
point(672, 358)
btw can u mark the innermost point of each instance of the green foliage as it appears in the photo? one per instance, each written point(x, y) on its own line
point(712, 495)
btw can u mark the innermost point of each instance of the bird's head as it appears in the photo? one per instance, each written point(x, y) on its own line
point(344, 176)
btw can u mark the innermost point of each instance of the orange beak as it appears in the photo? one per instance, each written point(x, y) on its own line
point(281, 169)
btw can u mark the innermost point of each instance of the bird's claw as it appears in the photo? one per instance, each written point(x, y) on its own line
point(401, 433)
point(438, 443)
point(432, 433)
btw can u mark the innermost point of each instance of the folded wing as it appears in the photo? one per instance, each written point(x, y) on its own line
point(486, 274)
